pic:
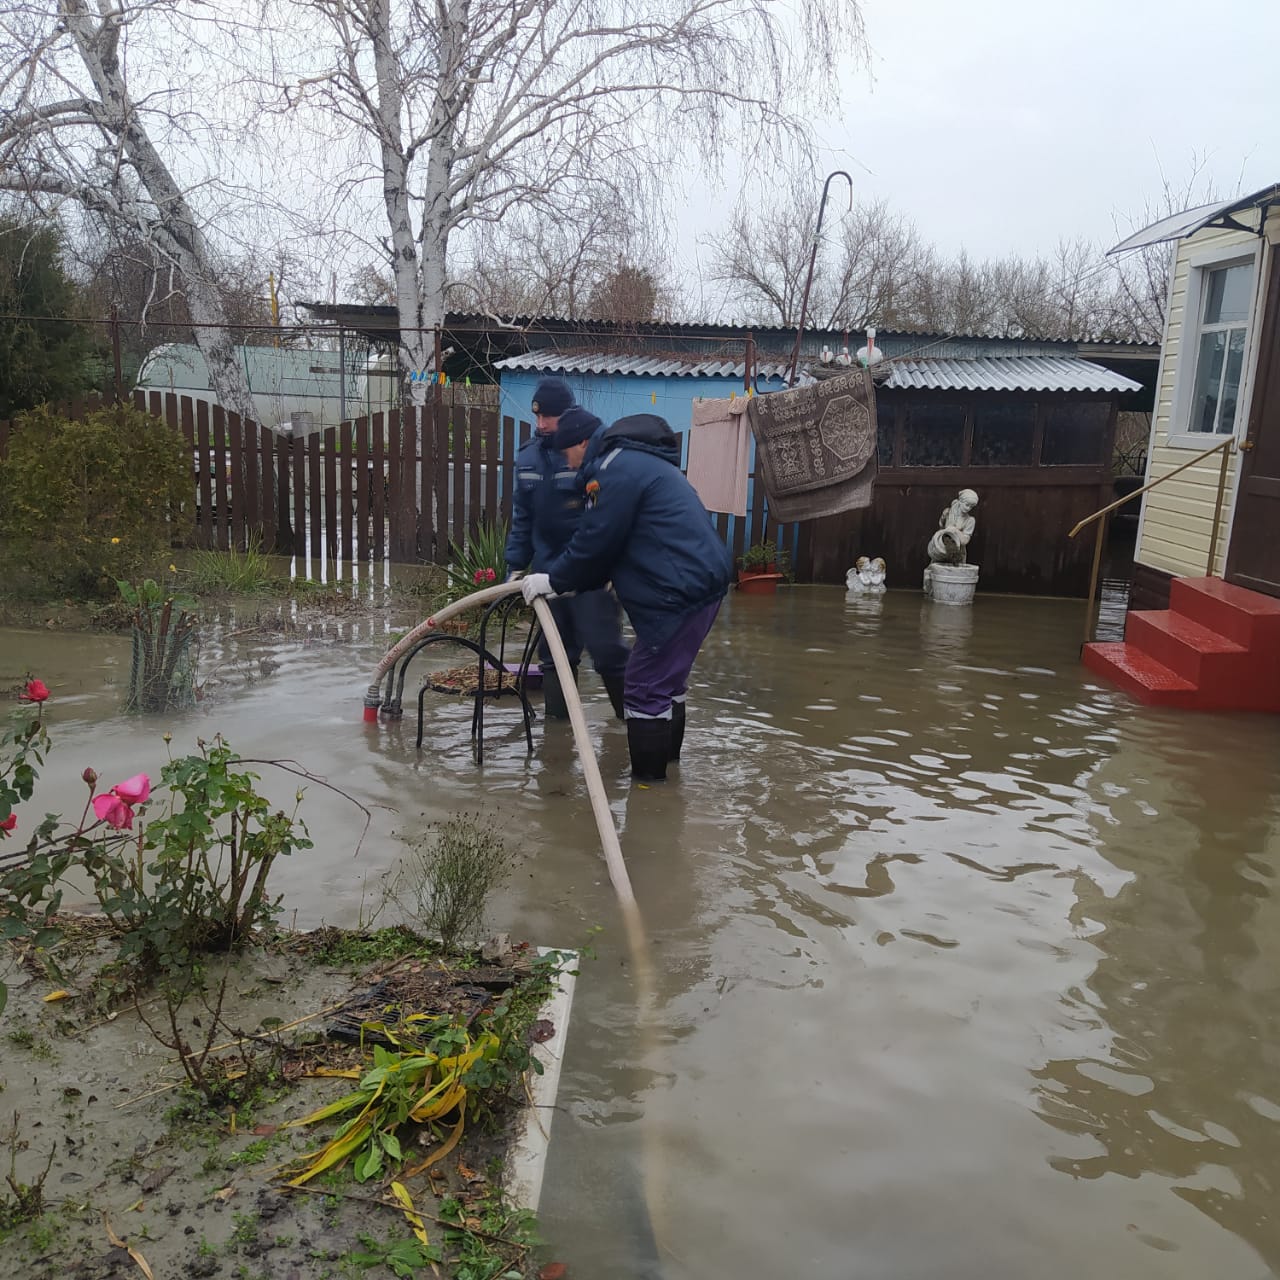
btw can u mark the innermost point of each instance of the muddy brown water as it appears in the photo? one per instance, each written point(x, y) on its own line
point(966, 963)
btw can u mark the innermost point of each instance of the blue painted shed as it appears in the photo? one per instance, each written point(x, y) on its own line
point(613, 386)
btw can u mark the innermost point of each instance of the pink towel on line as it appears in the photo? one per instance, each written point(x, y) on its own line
point(720, 453)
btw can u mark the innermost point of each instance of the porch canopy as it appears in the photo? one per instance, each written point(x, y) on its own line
point(1219, 214)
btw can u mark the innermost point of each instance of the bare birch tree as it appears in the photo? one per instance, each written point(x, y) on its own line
point(73, 130)
point(466, 110)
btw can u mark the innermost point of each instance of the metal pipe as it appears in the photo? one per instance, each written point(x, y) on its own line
point(1217, 512)
point(115, 352)
point(813, 258)
point(1151, 484)
point(1093, 583)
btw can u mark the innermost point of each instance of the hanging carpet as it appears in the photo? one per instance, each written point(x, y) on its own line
point(816, 447)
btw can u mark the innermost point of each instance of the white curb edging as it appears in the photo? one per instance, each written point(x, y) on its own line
point(528, 1157)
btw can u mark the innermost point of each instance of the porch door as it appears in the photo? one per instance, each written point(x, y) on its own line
point(1253, 557)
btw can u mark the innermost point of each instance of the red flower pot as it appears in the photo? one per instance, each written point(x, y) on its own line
point(758, 584)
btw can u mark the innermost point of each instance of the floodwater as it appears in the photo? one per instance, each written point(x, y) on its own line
point(966, 964)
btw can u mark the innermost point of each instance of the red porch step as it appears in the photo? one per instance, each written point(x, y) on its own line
point(1217, 647)
point(1140, 674)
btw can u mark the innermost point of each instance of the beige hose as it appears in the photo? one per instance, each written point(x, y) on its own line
point(637, 943)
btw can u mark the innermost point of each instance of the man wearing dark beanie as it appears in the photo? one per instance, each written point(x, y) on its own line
point(645, 530)
point(546, 507)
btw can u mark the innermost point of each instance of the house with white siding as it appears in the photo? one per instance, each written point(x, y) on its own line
point(1206, 578)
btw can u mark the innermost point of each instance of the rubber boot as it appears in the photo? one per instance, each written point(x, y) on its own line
point(613, 687)
point(648, 742)
point(677, 731)
point(553, 703)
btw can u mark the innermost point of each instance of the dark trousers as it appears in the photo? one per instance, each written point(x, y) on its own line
point(591, 620)
point(657, 677)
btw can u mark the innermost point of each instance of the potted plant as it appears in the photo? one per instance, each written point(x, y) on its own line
point(759, 569)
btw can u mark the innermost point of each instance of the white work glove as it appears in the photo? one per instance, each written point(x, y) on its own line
point(536, 584)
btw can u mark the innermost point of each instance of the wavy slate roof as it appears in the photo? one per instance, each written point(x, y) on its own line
point(997, 373)
point(1008, 373)
point(606, 363)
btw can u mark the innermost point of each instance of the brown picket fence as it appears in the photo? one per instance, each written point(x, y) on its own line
point(365, 489)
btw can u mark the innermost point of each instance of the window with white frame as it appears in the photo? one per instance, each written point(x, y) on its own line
point(1226, 297)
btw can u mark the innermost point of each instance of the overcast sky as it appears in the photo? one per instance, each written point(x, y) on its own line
point(1004, 125)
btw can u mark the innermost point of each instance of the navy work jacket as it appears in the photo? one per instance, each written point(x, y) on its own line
point(644, 529)
point(546, 506)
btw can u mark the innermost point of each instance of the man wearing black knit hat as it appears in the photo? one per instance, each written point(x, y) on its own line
point(545, 510)
point(645, 530)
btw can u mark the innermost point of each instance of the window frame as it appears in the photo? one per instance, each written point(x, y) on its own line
point(1199, 267)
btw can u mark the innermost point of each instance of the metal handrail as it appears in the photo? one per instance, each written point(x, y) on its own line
point(1225, 447)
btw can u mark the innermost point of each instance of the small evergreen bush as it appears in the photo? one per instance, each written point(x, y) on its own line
point(84, 504)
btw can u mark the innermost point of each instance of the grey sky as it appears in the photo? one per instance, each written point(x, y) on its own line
point(1004, 125)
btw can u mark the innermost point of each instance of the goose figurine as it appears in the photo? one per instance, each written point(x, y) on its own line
point(826, 355)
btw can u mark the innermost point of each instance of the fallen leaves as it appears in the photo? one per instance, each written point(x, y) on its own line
point(142, 1264)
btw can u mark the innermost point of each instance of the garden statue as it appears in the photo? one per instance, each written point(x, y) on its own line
point(955, 528)
point(866, 576)
point(949, 578)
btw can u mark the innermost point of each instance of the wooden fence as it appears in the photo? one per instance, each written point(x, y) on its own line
point(363, 490)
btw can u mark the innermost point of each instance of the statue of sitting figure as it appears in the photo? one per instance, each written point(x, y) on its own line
point(955, 528)
point(853, 580)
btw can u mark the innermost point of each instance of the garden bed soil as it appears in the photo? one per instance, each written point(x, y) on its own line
point(144, 1178)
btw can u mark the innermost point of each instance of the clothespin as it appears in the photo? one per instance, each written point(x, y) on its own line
point(750, 392)
point(653, 397)
point(733, 395)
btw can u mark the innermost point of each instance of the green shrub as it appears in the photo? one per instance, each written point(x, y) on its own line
point(234, 572)
point(447, 878)
point(190, 878)
point(84, 504)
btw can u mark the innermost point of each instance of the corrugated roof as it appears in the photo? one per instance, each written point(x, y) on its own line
point(997, 373)
point(385, 318)
point(1008, 373)
point(605, 363)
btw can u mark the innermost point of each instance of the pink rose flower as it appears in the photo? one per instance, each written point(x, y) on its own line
point(134, 790)
point(113, 811)
point(8, 824)
point(36, 691)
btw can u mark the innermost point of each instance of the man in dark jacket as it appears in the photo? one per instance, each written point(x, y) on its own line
point(645, 529)
point(545, 510)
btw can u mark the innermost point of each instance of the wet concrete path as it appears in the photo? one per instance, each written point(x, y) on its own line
point(967, 965)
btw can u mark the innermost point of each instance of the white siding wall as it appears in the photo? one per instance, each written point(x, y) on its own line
point(1177, 516)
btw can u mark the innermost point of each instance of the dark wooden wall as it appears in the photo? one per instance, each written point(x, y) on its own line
point(1023, 517)
point(1020, 541)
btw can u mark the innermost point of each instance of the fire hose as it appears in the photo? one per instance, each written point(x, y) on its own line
point(637, 944)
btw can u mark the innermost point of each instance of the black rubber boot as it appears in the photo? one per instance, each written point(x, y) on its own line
point(613, 687)
point(649, 741)
point(553, 703)
point(677, 731)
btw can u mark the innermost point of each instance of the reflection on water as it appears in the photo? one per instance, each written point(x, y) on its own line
point(966, 963)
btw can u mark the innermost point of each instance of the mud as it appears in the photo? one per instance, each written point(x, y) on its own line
point(197, 1192)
